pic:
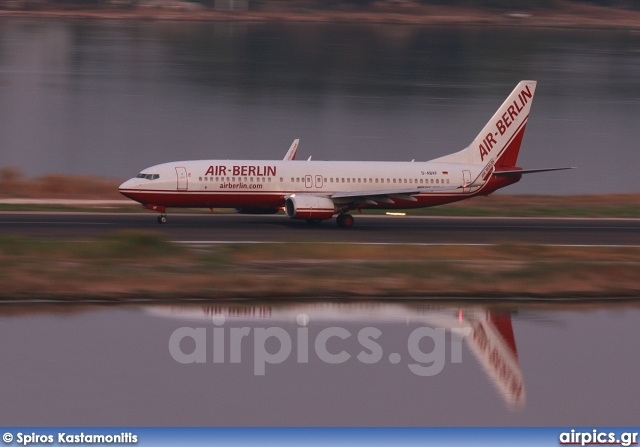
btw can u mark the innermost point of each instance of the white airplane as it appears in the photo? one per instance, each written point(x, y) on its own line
point(318, 190)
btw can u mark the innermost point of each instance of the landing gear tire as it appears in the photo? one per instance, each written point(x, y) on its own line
point(345, 220)
point(313, 222)
point(162, 219)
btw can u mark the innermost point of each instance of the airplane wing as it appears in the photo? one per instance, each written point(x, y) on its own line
point(291, 153)
point(385, 195)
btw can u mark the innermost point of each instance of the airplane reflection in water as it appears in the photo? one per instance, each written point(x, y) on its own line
point(487, 332)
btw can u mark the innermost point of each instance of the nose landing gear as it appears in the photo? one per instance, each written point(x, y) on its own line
point(162, 218)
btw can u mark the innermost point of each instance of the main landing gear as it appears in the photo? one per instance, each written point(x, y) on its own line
point(345, 220)
point(162, 218)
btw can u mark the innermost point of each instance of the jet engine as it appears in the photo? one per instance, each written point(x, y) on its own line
point(305, 206)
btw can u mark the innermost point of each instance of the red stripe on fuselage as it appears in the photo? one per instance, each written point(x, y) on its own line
point(192, 199)
point(187, 199)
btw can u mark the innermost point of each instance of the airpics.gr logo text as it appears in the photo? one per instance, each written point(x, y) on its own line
point(221, 345)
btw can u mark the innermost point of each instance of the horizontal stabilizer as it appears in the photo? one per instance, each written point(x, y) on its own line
point(529, 171)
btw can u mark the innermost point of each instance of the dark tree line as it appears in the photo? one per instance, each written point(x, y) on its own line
point(505, 4)
point(502, 4)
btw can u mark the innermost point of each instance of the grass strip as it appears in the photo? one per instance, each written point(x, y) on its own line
point(128, 265)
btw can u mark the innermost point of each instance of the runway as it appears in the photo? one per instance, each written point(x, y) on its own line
point(368, 229)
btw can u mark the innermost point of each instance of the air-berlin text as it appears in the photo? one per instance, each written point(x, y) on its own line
point(249, 170)
point(505, 121)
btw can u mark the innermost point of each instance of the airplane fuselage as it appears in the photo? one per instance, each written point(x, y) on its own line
point(266, 184)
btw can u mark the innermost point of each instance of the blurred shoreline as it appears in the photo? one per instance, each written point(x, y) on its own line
point(563, 14)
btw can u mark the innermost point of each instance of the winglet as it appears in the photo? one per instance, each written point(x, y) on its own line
point(291, 153)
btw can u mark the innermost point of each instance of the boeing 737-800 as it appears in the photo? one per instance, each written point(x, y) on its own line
point(318, 190)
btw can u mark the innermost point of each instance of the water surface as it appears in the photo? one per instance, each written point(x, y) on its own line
point(110, 98)
point(113, 365)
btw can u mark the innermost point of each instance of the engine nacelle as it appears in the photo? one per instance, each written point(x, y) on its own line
point(254, 210)
point(305, 206)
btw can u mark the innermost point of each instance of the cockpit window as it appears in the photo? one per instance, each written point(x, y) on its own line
point(148, 176)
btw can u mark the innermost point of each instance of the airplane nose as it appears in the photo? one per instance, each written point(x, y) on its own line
point(129, 184)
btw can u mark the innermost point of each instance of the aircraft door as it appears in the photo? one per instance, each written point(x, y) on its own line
point(319, 181)
point(308, 181)
point(466, 179)
point(183, 182)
